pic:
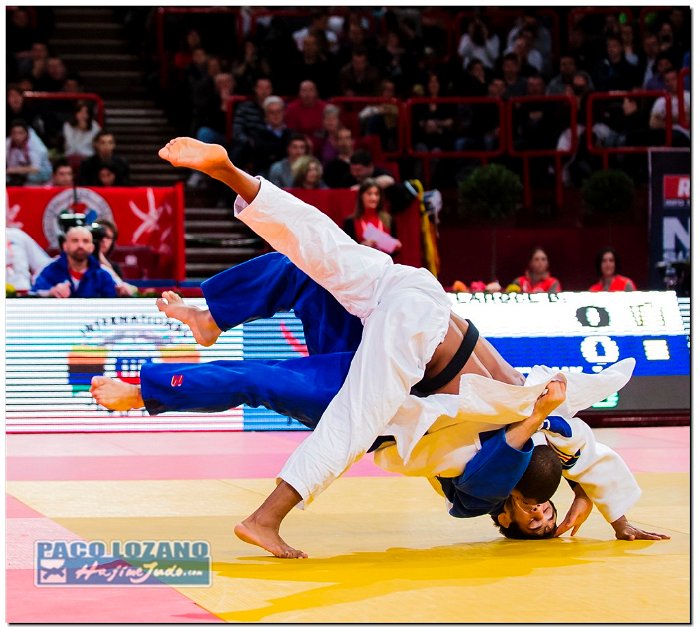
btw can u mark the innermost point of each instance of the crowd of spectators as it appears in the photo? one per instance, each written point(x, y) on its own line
point(41, 134)
point(284, 72)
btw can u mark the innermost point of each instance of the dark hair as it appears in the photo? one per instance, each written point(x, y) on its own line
point(542, 475)
point(532, 254)
point(112, 227)
point(515, 532)
point(359, 51)
point(614, 36)
point(100, 134)
point(512, 57)
point(599, 260)
point(79, 105)
point(19, 123)
point(297, 136)
point(361, 157)
point(368, 183)
point(61, 162)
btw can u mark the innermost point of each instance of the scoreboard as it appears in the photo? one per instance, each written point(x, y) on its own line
point(54, 348)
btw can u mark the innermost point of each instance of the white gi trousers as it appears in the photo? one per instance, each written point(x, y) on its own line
point(405, 313)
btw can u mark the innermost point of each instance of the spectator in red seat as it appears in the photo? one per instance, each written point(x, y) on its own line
point(319, 23)
point(62, 174)
point(307, 173)
point(314, 66)
point(362, 167)
point(107, 175)
point(76, 273)
point(567, 71)
point(382, 119)
point(369, 210)
point(24, 259)
point(104, 154)
point(19, 108)
point(33, 67)
point(359, 78)
point(433, 122)
point(305, 113)
point(516, 84)
point(657, 119)
point(531, 61)
point(537, 277)
point(183, 57)
point(337, 171)
point(325, 140)
point(20, 34)
point(80, 132)
point(614, 72)
point(479, 43)
point(106, 243)
point(250, 69)
point(26, 157)
point(472, 80)
point(662, 63)
point(650, 51)
point(629, 44)
point(281, 171)
point(609, 280)
point(270, 142)
point(542, 38)
point(249, 121)
point(54, 77)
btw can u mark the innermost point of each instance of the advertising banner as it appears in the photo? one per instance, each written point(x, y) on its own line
point(669, 218)
point(55, 347)
point(145, 216)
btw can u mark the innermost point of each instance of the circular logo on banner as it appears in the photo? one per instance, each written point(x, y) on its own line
point(80, 201)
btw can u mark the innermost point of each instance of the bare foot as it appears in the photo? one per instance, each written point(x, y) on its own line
point(204, 328)
point(189, 152)
point(266, 537)
point(115, 394)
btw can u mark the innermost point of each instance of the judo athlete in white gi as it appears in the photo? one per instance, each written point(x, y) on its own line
point(408, 335)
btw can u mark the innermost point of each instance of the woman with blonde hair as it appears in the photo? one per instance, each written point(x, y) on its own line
point(307, 173)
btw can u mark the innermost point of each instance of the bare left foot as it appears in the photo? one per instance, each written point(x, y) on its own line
point(203, 327)
point(115, 394)
point(266, 537)
point(189, 152)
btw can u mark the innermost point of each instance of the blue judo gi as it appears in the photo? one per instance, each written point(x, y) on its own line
point(303, 387)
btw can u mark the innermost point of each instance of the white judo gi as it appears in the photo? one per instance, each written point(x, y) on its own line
point(405, 313)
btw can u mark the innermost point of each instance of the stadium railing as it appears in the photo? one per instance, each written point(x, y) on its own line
point(71, 96)
point(605, 152)
point(527, 154)
point(683, 116)
point(426, 156)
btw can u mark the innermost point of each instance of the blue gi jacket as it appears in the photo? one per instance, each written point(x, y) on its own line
point(96, 283)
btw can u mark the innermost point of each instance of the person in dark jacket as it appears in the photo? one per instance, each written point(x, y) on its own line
point(76, 273)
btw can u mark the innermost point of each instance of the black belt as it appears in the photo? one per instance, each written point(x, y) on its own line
point(466, 347)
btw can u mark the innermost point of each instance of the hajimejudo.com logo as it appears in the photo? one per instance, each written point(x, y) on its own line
point(130, 563)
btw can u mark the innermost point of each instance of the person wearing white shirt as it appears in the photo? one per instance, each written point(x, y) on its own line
point(476, 43)
point(24, 259)
point(657, 118)
point(80, 131)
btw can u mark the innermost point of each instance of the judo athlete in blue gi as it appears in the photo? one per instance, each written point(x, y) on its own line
point(500, 472)
point(409, 335)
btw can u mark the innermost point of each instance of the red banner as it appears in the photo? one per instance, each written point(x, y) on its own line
point(151, 217)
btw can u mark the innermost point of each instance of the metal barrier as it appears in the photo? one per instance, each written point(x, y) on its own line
point(72, 96)
point(352, 105)
point(426, 156)
point(638, 149)
point(163, 61)
point(682, 114)
point(527, 154)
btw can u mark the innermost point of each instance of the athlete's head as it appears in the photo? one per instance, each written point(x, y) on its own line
point(528, 513)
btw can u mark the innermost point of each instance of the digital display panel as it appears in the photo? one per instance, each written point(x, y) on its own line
point(54, 348)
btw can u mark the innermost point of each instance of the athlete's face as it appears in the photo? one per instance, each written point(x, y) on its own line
point(530, 516)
